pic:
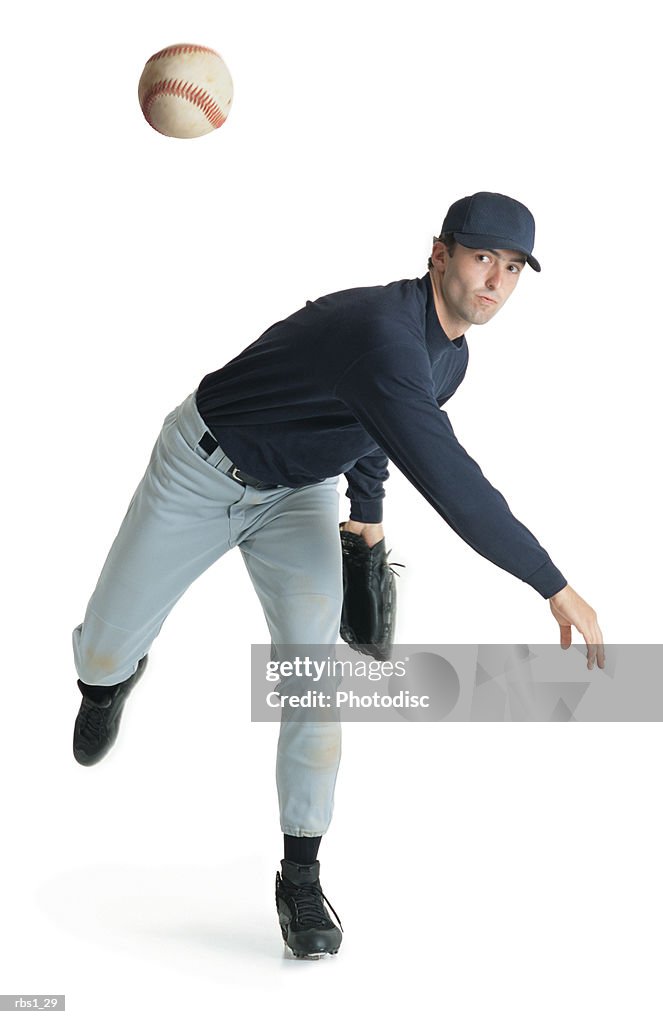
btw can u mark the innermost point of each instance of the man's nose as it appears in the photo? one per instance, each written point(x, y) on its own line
point(494, 278)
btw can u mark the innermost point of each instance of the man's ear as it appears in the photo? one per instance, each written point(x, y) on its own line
point(436, 239)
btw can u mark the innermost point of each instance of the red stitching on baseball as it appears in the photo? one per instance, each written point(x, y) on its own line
point(187, 91)
point(174, 51)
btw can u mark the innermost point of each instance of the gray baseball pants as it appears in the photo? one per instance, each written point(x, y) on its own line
point(187, 512)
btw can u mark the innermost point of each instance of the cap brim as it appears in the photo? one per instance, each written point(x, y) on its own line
point(490, 242)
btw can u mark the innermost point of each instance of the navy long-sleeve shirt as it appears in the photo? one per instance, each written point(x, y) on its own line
point(349, 381)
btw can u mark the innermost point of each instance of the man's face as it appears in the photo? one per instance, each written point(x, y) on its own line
point(477, 282)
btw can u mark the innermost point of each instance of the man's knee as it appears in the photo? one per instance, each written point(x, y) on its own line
point(98, 666)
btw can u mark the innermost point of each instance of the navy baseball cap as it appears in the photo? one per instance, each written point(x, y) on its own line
point(489, 220)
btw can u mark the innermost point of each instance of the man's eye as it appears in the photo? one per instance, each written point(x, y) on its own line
point(482, 256)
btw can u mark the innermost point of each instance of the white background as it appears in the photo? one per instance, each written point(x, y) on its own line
point(482, 873)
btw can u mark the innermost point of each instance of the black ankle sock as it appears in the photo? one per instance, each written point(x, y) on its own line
point(301, 849)
point(100, 693)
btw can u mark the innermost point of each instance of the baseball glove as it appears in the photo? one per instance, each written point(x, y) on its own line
point(368, 618)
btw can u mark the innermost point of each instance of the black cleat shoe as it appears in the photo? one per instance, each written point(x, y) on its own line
point(307, 929)
point(98, 720)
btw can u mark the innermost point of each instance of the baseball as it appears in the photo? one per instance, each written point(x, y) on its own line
point(185, 91)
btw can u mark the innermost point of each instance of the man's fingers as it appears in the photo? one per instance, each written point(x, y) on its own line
point(598, 646)
point(578, 613)
point(595, 650)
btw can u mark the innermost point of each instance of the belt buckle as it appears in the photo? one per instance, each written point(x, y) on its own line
point(234, 472)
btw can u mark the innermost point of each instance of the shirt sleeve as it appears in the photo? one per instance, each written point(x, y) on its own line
point(365, 489)
point(390, 391)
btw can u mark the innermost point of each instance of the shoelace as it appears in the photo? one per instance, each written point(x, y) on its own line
point(91, 728)
point(307, 902)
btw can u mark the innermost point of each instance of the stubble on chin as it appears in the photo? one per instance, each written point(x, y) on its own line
point(479, 316)
point(482, 313)
point(482, 317)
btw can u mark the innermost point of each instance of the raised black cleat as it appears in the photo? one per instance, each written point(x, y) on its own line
point(307, 929)
point(98, 720)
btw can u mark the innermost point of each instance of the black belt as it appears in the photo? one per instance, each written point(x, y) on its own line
point(209, 444)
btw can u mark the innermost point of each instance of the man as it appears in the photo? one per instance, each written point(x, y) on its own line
point(252, 458)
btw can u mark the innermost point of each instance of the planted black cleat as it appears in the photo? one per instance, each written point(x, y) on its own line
point(307, 929)
point(98, 720)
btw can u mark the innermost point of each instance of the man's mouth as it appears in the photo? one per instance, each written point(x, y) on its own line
point(485, 298)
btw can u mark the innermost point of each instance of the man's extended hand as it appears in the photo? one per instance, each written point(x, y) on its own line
point(371, 532)
point(570, 610)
